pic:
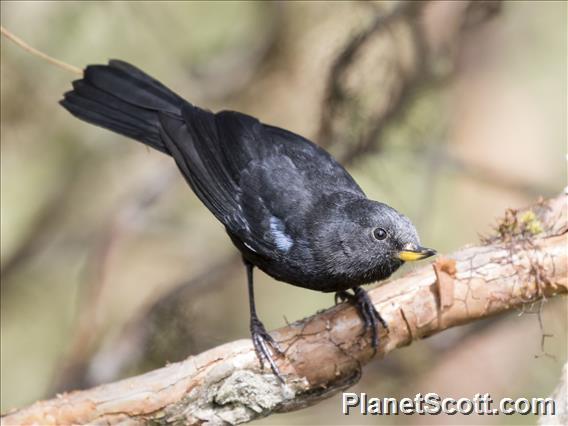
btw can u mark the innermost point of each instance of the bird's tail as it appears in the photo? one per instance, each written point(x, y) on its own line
point(122, 98)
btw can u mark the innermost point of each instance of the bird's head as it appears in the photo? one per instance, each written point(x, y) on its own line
point(372, 240)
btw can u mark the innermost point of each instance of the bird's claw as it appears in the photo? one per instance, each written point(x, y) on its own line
point(371, 318)
point(343, 296)
point(264, 345)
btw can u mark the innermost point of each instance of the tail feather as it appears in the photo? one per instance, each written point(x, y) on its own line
point(141, 76)
point(121, 98)
point(130, 88)
point(210, 149)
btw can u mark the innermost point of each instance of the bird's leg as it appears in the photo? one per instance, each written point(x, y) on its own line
point(263, 342)
point(367, 310)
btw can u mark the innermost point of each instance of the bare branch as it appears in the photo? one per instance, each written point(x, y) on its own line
point(34, 51)
point(381, 70)
point(324, 353)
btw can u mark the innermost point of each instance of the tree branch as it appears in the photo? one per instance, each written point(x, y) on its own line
point(526, 262)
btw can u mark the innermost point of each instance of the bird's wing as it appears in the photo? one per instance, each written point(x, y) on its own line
point(258, 180)
point(282, 183)
point(193, 141)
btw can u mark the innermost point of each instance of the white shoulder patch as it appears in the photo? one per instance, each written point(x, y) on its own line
point(278, 231)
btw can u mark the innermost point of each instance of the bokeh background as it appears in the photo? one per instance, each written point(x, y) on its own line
point(449, 111)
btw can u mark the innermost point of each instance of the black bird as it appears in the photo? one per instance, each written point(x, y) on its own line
point(289, 207)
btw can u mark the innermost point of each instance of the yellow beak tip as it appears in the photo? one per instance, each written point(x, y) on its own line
point(410, 256)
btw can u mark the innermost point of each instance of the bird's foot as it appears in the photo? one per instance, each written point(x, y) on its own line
point(371, 318)
point(265, 346)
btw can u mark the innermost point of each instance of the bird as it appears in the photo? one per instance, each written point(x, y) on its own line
point(286, 204)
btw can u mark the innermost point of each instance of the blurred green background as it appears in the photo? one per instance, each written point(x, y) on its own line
point(96, 229)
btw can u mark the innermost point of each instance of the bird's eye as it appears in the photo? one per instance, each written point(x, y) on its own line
point(379, 233)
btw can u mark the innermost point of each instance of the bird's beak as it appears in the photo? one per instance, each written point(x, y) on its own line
point(413, 252)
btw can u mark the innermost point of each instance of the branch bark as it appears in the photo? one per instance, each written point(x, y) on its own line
point(526, 262)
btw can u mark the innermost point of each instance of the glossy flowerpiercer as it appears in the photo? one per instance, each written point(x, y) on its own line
point(289, 207)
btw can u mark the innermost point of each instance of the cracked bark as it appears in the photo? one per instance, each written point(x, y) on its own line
point(527, 262)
